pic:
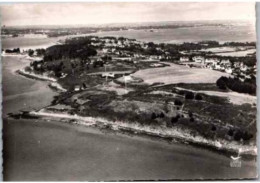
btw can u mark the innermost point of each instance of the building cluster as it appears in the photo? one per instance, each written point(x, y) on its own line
point(238, 69)
point(122, 49)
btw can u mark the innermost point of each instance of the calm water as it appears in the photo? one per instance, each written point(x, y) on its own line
point(38, 150)
point(20, 93)
point(216, 33)
point(25, 43)
point(50, 151)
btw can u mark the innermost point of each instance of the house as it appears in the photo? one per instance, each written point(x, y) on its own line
point(156, 65)
point(184, 59)
point(229, 70)
point(105, 50)
point(243, 67)
point(95, 44)
point(219, 67)
point(123, 58)
point(213, 61)
point(237, 64)
point(77, 88)
point(108, 74)
point(198, 59)
point(154, 57)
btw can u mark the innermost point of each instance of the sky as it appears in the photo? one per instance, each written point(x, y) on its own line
point(121, 12)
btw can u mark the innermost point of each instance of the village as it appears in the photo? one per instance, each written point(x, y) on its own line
point(131, 50)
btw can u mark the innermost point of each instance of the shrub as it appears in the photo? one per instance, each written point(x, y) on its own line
point(181, 92)
point(174, 119)
point(189, 95)
point(177, 102)
point(238, 136)
point(230, 132)
point(247, 136)
point(28, 69)
point(161, 115)
point(198, 97)
point(213, 128)
point(153, 117)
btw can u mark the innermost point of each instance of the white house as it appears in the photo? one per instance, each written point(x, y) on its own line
point(77, 88)
point(156, 65)
point(228, 70)
point(213, 61)
point(219, 67)
point(184, 59)
point(198, 59)
point(243, 67)
point(108, 74)
point(123, 58)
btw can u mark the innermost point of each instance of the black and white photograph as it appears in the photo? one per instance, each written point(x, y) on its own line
point(129, 91)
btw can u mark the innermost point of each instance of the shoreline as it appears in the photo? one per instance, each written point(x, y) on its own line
point(53, 82)
point(181, 135)
point(174, 134)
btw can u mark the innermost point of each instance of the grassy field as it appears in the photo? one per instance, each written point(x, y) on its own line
point(178, 74)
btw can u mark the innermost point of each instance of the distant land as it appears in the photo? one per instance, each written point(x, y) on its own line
point(138, 24)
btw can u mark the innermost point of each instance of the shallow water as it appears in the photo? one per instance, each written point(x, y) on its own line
point(51, 151)
point(20, 93)
point(195, 34)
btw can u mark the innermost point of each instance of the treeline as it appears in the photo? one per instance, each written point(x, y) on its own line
point(240, 44)
point(15, 50)
point(235, 84)
point(69, 51)
point(249, 61)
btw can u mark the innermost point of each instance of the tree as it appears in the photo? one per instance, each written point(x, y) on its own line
point(230, 132)
point(247, 136)
point(161, 115)
point(221, 84)
point(177, 102)
point(175, 119)
point(30, 52)
point(189, 95)
point(238, 135)
point(94, 64)
point(153, 116)
point(213, 128)
point(198, 97)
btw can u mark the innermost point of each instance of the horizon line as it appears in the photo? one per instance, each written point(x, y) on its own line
point(118, 23)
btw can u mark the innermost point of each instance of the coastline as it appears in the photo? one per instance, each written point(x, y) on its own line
point(182, 135)
point(53, 82)
point(176, 133)
point(179, 134)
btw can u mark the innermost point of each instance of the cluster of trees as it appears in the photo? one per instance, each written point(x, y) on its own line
point(30, 52)
point(190, 95)
point(69, 51)
point(15, 50)
point(40, 52)
point(79, 40)
point(154, 115)
point(249, 61)
point(236, 85)
point(239, 44)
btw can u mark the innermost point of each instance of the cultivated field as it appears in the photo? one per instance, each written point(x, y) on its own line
point(233, 97)
point(179, 74)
